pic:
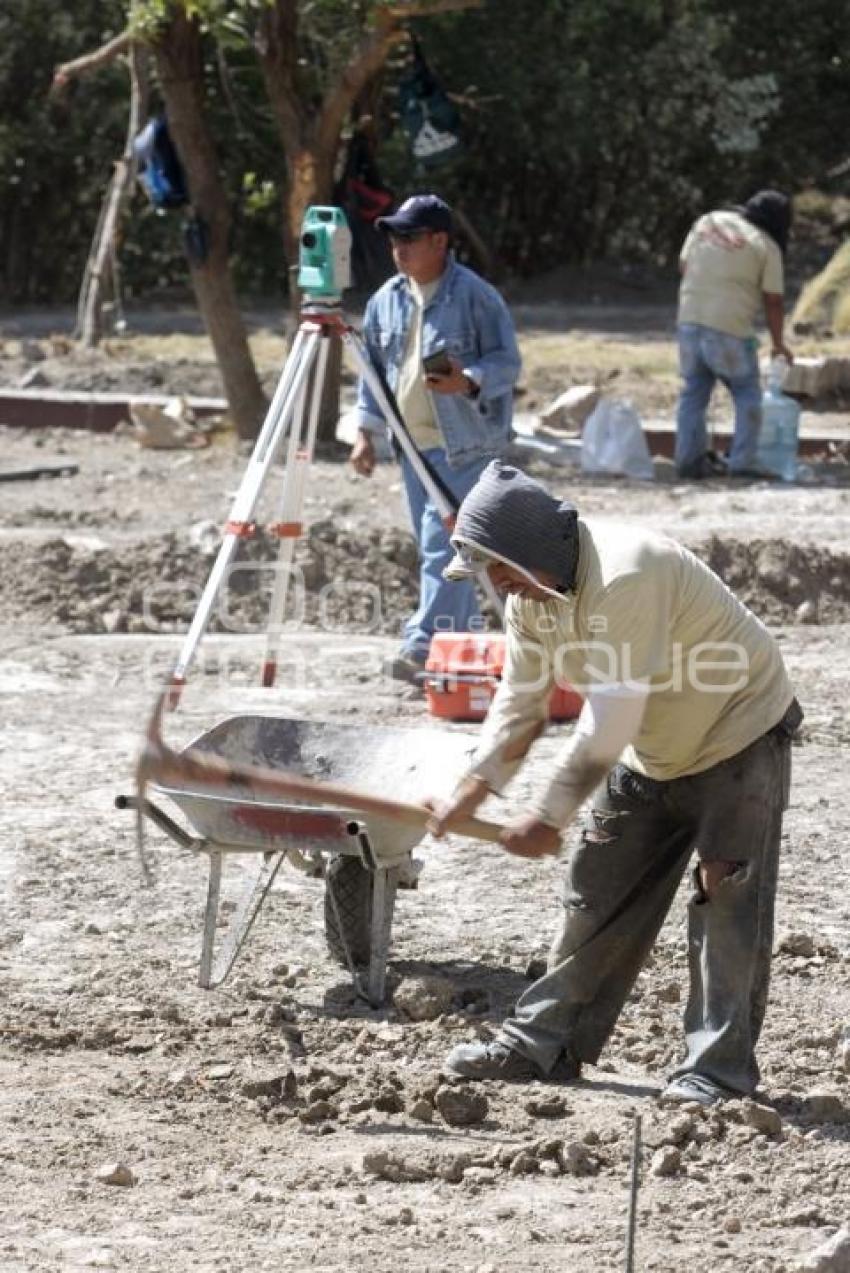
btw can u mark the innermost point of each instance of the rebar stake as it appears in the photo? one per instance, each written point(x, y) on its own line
point(630, 1241)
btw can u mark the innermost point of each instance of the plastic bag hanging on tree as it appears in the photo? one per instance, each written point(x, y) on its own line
point(429, 117)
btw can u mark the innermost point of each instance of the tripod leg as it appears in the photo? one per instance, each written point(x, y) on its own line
point(284, 384)
point(291, 512)
point(442, 502)
point(294, 377)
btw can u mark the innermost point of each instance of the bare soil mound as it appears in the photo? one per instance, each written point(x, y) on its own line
point(775, 577)
point(358, 580)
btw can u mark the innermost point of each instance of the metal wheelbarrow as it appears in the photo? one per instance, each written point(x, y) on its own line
point(362, 858)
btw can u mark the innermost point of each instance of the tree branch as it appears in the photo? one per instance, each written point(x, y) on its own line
point(369, 59)
point(108, 52)
point(366, 62)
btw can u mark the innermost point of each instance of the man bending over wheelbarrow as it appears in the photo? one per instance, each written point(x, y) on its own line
point(684, 739)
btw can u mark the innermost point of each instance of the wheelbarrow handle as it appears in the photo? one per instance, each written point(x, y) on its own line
point(160, 764)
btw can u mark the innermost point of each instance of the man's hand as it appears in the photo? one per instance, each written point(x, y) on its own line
point(528, 837)
point(782, 351)
point(454, 382)
point(461, 804)
point(362, 458)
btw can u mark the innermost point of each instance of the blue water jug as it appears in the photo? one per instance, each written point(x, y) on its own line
point(779, 435)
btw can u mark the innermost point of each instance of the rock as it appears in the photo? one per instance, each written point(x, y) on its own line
point(113, 620)
point(318, 1112)
point(669, 992)
point(219, 1072)
point(731, 1225)
point(762, 1117)
point(577, 1160)
point(550, 1106)
point(551, 1147)
point(461, 1106)
point(806, 612)
point(205, 538)
point(115, 1173)
point(393, 1167)
point(453, 1167)
point(388, 1101)
point(33, 379)
point(504, 1155)
point(797, 944)
point(680, 1129)
point(666, 1161)
point(423, 998)
point(843, 1051)
point(525, 1163)
point(568, 412)
point(535, 968)
point(823, 1107)
point(833, 1256)
point(480, 1175)
point(422, 1110)
point(268, 1083)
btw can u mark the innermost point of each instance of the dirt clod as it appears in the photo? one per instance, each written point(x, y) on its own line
point(115, 1173)
point(666, 1161)
point(461, 1106)
point(423, 998)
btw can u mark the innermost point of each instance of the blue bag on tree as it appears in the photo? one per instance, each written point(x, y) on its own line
point(160, 170)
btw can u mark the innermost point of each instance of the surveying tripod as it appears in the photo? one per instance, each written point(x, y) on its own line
point(295, 410)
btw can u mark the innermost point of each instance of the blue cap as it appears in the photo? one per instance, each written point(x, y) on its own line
point(419, 212)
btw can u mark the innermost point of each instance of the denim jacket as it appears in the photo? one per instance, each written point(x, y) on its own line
point(468, 318)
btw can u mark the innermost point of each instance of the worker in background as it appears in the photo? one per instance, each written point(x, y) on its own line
point(458, 414)
point(732, 270)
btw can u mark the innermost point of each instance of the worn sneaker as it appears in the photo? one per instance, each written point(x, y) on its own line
point(695, 1087)
point(498, 1060)
point(708, 465)
point(493, 1060)
point(404, 667)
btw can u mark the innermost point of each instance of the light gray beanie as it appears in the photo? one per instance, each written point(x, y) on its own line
point(509, 516)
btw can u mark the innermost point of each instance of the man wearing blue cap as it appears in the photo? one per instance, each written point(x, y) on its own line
point(459, 415)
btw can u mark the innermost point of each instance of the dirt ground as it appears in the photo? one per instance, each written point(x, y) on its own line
point(279, 1122)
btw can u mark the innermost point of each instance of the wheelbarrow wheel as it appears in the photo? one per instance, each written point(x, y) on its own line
point(352, 888)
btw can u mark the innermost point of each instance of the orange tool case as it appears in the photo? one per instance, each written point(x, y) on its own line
point(463, 670)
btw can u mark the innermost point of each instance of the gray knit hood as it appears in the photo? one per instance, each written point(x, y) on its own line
point(510, 517)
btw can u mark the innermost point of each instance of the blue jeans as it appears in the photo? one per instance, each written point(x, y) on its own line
point(443, 606)
point(706, 356)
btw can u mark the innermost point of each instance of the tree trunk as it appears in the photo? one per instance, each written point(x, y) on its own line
point(99, 273)
point(178, 56)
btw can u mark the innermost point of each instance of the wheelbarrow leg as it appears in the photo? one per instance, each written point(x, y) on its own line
point(214, 969)
point(384, 887)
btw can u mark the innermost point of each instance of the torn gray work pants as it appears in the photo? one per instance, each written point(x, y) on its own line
point(620, 885)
